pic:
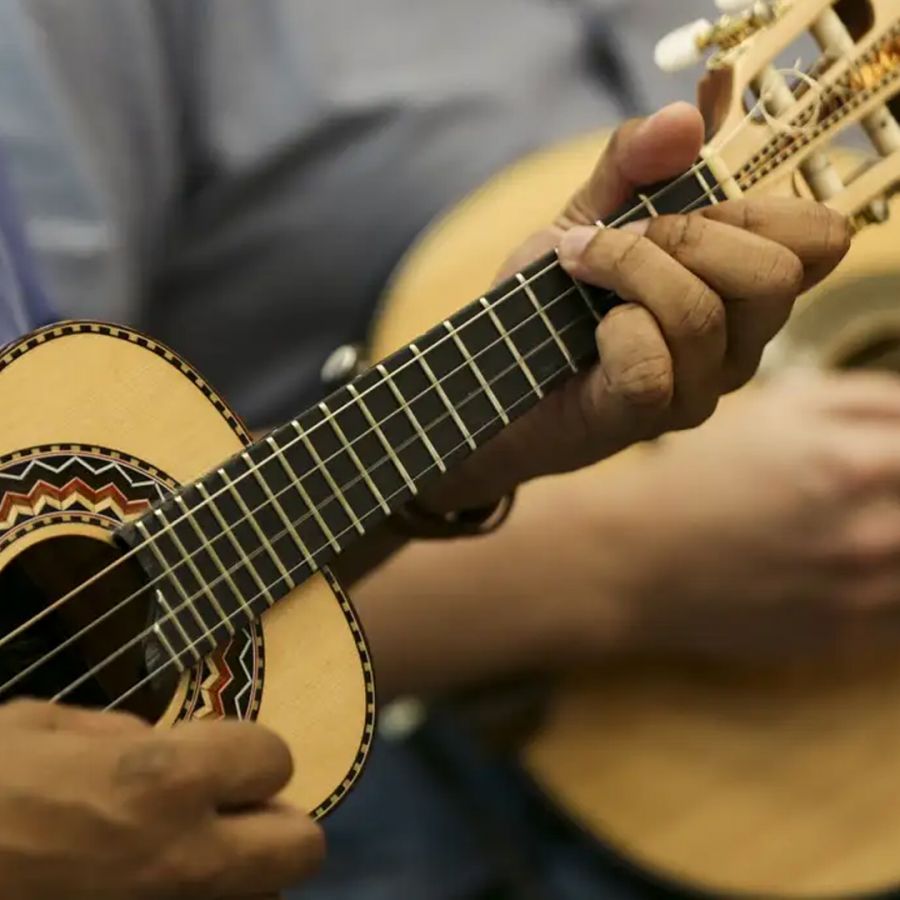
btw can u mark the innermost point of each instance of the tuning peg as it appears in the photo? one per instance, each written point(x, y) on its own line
point(683, 47)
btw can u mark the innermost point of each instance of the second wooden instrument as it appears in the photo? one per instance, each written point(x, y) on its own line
point(712, 780)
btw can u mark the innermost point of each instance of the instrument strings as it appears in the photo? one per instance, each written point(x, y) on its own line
point(383, 459)
point(708, 194)
point(19, 676)
point(72, 594)
point(209, 633)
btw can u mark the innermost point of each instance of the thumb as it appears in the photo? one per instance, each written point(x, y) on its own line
point(640, 152)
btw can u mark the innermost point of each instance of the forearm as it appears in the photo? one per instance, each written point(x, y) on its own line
point(443, 614)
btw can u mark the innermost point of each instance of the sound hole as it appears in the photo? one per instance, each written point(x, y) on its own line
point(82, 639)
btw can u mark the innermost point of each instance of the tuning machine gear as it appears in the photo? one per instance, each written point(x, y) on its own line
point(685, 46)
point(876, 213)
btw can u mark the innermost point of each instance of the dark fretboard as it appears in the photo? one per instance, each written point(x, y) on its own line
point(227, 547)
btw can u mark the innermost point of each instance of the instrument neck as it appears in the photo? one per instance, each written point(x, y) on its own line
point(246, 534)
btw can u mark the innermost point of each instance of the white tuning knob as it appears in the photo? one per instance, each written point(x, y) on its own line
point(682, 47)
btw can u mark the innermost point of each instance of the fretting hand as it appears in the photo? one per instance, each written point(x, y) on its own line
point(707, 291)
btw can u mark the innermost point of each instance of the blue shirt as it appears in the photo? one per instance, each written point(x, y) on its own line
point(23, 304)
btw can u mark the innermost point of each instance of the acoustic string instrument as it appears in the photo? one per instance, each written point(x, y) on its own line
point(759, 784)
point(153, 558)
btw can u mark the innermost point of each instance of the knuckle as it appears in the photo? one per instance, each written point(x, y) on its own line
point(782, 274)
point(631, 257)
point(678, 234)
point(647, 382)
point(749, 215)
point(702, 312)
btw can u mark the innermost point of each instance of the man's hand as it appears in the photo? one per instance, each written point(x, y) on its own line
point(99, 806)
point(706, 292)
point(773, 530)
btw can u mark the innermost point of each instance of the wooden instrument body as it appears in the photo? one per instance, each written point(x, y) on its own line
point(98, 423)
point(714, 780)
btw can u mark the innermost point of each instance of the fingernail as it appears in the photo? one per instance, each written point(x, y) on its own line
point(639, 227)
point(573, 243)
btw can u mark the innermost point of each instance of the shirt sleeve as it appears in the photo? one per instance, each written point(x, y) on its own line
point(88, 117)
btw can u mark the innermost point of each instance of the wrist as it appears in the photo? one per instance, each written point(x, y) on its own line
point(609, 599)
point(587, 595)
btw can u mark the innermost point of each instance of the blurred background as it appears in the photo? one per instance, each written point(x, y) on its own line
point(259, 184)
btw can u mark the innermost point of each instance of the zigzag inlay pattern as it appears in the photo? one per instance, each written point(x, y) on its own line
point(44, 495)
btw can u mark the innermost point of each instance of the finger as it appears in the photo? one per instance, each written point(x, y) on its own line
point(690, 315)
point(632, 387)
point(640, 152)
point(47, 716)
point(757, 278)
point(243, 764)
point(818, 235)
point(866, 460)
point(266, 850)
point(852, 395)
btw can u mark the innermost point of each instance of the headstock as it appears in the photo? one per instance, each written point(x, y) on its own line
point(771, 126)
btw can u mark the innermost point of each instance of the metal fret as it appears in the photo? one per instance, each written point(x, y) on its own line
point(275, 503)
point(348, 446)
point(161, 637)
point(443, 395)
point(511, 346)
point(304, 494)
point(707, 191)
point(151, 543)
point(526, 285)
point(438, 461)
point(338, 493)
point(226, 529)
point(189, 560)
point(223, 572)
point(385, 443)
point(648, 205)
point(251, 521)
point(476, 371)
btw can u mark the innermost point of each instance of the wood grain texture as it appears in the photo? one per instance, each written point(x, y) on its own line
point(88, 385)
point(780, 785)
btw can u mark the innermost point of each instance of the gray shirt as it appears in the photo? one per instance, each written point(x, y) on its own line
point(239, 178)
